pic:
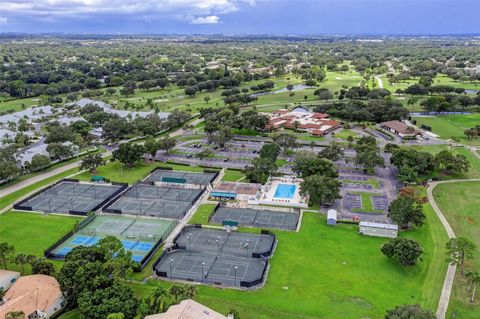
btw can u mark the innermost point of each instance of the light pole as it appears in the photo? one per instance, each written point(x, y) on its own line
point(203, 264)
point(235, 283)
point(171, 274)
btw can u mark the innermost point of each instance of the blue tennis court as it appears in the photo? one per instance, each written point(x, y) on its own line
point(81, 240)
point(137, 258)
point(64, 251)
point(127, 244)
point(142, 246)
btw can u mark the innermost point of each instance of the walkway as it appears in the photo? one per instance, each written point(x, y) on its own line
point(450, 275)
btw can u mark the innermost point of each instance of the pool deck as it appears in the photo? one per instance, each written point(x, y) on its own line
point(269, 191)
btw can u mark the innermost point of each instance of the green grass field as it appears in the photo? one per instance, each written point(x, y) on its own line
point(232, 175)
point(367, 203)
point(451, 126)
point(202, 214)
point(344, 134)
point(333, 273)
point(459, 204)
point(121, 174)
point(32, 233)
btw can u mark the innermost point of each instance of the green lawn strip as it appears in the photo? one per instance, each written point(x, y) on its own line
point(32, 233)
point(12, 197)
point(344, 134)
point(371, 181)
point(459, 205)
point(367, 203)
point(122, 174)
point(202, 214)
point(333, 273)
point(72, 314)
point(451, 126)
point(232, 175)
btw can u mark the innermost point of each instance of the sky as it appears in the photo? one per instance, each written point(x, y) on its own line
point(229, 17)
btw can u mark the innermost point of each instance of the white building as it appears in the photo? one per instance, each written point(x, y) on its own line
point(378, 229)
point(331, 217)
point(8, 278)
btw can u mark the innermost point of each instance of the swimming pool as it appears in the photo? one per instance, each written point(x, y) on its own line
point(285, 191)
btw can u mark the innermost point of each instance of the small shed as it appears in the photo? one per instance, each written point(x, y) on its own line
point(378, 229)
point(331, 217)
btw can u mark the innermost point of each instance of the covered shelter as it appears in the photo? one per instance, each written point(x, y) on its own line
point(331, 217)
point(378, 229)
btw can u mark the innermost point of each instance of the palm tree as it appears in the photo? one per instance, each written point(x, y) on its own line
point(21, 259)
point(5, 251)
point(475, 282)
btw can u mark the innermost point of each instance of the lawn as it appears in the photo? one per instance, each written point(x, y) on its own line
point(451, 126)
point(344, 134)
point(202, 214)
point(333, 272)
point(459, 203)
point(121, 174)
point(32, 233)
point(232, 175)
point(367, 203)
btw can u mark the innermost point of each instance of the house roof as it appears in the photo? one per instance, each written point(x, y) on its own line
point(31, 293)
point(188, 309)
point(398, 126)
point(237, 188)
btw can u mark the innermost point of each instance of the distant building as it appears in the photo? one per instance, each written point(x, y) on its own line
point(32, 114)
point(6, 135)
point(96, 133)
point(38, 296)
point(400, 129)
point(188, 309)
point(8, 278)
point(29, 152)
point(378, 229)
point(302, 119)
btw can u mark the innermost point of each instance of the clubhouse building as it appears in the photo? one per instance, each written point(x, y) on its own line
point(302, 119)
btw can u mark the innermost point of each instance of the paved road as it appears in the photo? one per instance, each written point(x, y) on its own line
point(450, 275)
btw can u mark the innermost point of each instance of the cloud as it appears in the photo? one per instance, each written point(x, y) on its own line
point(69, 8)
point(206, 20)
point(3, 20)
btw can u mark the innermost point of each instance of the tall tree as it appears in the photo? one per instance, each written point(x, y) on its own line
point(405, 250)
point(409, 312)
point(459, 249)
point(285, 141)
point(129, 153)
point(6, 250)
point(405, 211)
point(91, 162)
point(320, 189)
